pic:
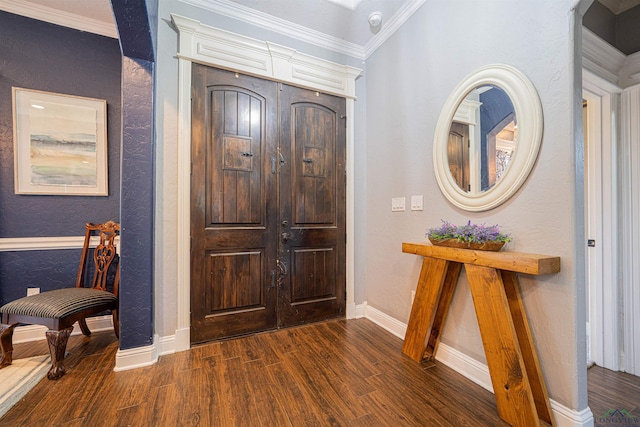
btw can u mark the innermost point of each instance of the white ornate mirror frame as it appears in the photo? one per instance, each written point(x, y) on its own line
point(528, 111)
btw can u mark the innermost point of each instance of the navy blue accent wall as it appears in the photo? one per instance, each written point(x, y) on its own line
point(496, 107)
point(138, 146)
point(47, 270)
point(133, 28)
point(47, 57)
point(136, 289)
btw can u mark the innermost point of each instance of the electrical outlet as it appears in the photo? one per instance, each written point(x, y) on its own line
point(398, 204)
point(32, 291)
point(417, 203)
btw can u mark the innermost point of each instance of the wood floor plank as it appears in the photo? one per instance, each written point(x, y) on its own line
point(610, 391)
point(335, 373)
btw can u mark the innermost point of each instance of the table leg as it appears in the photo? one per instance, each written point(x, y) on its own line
point(509, 377)
point(529, 354)
point(449, 285)
point(427, 298)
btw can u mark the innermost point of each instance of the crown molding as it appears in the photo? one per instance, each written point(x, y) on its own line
point(58, 17)
point(388, 29)
point(281, 26)
point(608, 63)
point(630, 71)
point(296, 31)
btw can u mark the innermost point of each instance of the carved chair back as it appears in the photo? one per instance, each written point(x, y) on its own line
point(104, 256)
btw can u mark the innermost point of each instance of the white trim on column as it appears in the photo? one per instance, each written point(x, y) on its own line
point(183, 249)
point(630, 218)
point(601, 171)
point(208, 45)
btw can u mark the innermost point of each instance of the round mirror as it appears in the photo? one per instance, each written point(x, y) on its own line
point(487, 138)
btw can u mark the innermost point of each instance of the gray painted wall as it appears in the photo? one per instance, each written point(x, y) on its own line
point(408, 81)
point(405, 84)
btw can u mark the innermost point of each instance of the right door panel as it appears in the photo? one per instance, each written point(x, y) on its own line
point(312, 246)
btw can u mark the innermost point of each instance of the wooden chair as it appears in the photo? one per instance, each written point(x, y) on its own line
point(60, 309)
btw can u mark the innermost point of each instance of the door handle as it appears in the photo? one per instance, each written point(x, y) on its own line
point(286, 237)
point(282, 267)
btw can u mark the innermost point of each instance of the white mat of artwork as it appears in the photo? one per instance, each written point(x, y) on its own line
point(20, 377)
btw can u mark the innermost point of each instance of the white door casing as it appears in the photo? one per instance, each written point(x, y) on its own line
point(601, 225)
point(223, 49)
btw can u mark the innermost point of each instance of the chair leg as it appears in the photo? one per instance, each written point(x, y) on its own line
point(116, 323)
point(83, 327)
point(57, 346)
point(6, 343)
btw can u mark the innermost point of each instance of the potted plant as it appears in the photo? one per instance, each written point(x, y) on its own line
point(469, 236)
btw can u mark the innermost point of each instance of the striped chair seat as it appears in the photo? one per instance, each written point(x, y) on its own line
point(59, 303)
point(60, 309)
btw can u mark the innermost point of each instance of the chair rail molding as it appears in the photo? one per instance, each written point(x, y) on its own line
point(12, 244)
point(223, 49)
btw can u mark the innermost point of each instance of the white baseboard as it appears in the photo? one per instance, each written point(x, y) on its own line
point(37, 332)
point(138, 357)
point(472, 369)
point(125, 359)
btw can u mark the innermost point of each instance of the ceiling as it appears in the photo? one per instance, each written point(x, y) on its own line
point(338, 22)
point(346, 20)
point(619, 6)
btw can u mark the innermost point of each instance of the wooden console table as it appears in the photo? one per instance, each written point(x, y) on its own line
point(518, 384)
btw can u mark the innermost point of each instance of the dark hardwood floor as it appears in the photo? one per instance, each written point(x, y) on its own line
point(336, 373)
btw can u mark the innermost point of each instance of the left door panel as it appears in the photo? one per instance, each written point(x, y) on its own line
point(233, 183)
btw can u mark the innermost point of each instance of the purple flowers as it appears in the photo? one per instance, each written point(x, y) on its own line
point(468, 233)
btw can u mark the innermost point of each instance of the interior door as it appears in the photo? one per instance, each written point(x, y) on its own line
point(458, 154)
point(312, 206)
point(233, 208)
point(267, 205)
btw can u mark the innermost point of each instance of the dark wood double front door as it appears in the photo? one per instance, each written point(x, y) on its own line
point(268, 233)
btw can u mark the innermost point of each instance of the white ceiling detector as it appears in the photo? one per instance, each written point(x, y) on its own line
point(375, 18)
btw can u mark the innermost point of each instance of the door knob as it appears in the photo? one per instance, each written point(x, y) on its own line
point(286, 237)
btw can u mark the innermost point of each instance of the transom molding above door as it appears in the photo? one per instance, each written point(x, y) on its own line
point(208, 45)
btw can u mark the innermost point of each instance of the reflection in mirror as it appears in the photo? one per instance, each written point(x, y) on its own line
point(487, 137)
point(482, 139)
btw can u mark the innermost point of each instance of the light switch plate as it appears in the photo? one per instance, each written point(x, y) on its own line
point(398, 204)
point(417, 203)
